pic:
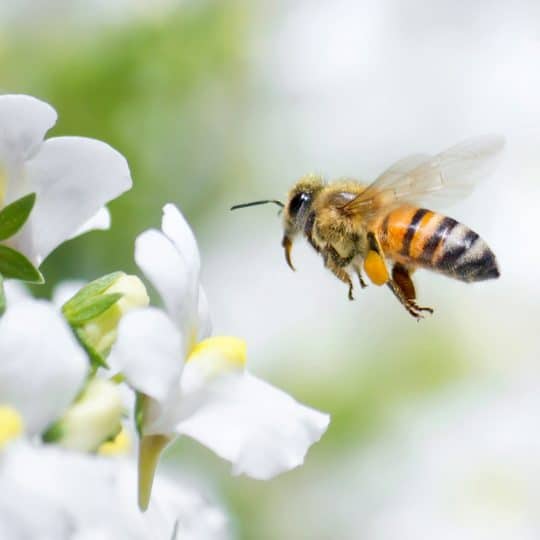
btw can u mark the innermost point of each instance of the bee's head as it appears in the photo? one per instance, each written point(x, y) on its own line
point(299, 204)
point(297, 209)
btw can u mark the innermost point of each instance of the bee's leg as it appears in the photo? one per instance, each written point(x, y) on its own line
point(336, 264)
point(394, 287)
point(402, 277)
point(358, 269)
point(402, 286)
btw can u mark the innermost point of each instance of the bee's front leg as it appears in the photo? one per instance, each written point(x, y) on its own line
point(336, 264)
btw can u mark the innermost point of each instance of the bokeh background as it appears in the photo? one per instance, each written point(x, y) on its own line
point(435, 425)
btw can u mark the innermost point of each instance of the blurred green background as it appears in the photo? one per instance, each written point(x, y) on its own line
point(214, 103)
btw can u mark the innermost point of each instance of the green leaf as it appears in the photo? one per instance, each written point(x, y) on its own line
point(91, 309)
point(96, 360)
point(14, 215)
point(15, 265)
point(89, 292)
point(2, 296)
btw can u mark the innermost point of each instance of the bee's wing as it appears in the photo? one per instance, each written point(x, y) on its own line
point(441, 179)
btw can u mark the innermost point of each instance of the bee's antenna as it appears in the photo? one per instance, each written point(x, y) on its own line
point(255, 203)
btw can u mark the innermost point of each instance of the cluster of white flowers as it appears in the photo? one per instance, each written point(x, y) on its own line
point(71, 369)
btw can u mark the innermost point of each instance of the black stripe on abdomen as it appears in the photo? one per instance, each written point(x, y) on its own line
point(441, 234)
point(456, 245)
point(411, 230)
point(465, 256)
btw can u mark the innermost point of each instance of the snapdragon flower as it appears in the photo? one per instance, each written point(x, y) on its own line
point(44, 371)
point(72, 177)
point(42, 367)
point(190, 384)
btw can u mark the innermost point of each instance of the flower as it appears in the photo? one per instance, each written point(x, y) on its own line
point(73, 177)
point(189, 385)
point(42, 367)
point(48, 492)
point(93, 409)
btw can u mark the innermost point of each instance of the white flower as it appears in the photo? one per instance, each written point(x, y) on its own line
point(42, 367)
point(49, 493)
point(201, 388)
point(73, 177)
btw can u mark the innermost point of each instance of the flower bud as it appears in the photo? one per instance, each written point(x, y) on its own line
point(101, 331)
point(93, 419)
point(120, 445)
point(96, 309)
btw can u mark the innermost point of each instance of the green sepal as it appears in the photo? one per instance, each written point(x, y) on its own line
point(14, 215)
point(139, 412)
point(2, 296)
point(15, 265)
point(92, 308)
point(53, 433)
point(88, 303)
point(96, 359)
point(93, 289)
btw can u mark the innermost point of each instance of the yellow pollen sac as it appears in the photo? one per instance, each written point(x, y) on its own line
point(119, 446)
point(376, 268)
point(11, 424)
point(228, 352)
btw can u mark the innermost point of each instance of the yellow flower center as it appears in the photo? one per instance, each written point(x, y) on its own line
point(219, 354)
point(120, 445)
point(11, 424)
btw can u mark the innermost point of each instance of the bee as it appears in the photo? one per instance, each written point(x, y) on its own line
point(359, 228)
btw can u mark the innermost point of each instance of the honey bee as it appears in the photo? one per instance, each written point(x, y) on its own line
point(359, 228)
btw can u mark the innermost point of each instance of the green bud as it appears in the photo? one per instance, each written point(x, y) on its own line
point(93, 419)
point(95, 311)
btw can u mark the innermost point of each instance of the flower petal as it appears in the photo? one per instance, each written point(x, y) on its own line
point(100, 221)
point(73, 178)
point(42, 366)
point(24, 120)
point(179, 232)
point(15, 291)
point(261, 430)
point(165, 267)
point(148, 351)
point(205, 323)
point(105, 509)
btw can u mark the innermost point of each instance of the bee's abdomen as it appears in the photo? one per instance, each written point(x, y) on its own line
point(419, 237)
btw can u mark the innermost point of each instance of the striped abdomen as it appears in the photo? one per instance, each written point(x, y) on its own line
point(419, 237)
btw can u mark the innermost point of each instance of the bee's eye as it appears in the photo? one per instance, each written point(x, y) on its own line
point(297, 202)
